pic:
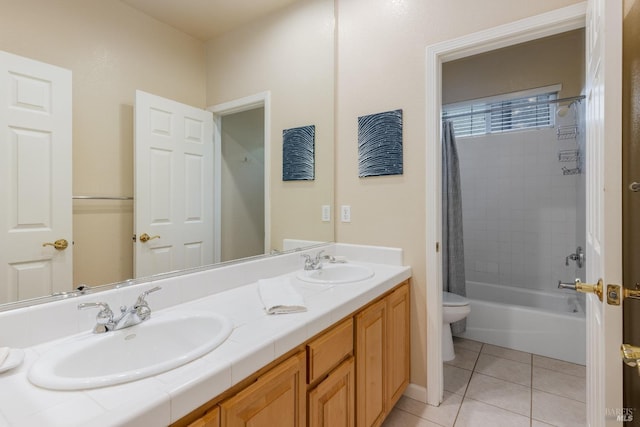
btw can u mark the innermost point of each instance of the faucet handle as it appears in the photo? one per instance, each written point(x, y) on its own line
point(103, 318)
point(104, 307)
point(142, 296)
point(141, 306)
point(308, 261)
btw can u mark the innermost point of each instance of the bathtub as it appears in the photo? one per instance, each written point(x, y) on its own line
point(550, 324)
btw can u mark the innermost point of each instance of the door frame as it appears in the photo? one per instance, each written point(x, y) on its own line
point(524, 30)
point(262, 99)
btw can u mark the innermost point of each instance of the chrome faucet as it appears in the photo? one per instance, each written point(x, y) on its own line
point(311, 263)
point(137, 313)
point(578, 257)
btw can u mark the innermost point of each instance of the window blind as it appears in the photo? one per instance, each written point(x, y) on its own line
point(482, 117)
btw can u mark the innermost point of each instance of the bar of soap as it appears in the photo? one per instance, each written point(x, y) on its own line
point(4, 353)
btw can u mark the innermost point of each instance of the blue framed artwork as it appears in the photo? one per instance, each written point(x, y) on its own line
point(380, 144)
point(298, 153)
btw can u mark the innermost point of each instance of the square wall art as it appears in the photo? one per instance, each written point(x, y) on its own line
point(298, 153)
point(380, 144)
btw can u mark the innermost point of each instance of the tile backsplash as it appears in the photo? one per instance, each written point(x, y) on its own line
point(28, 326)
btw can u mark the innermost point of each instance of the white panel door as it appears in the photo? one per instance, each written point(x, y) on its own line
point(173, 185)
point(35, 178)
point(604, 207)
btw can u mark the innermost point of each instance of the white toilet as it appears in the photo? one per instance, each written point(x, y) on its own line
point(454, 307)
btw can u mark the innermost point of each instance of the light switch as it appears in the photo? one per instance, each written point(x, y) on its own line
point(326, 213)
point(345, 213)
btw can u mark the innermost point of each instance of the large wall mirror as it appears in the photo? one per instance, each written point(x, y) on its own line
point(113, 48)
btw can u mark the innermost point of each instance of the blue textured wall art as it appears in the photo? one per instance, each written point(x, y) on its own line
point(380, 144)
point(298, 153)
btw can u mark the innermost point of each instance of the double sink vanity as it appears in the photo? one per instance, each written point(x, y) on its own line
point(200, 350)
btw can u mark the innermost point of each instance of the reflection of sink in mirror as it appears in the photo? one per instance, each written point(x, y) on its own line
point(336, 273)
point(164, 342)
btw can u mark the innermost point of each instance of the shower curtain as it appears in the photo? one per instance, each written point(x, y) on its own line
point(453, 278)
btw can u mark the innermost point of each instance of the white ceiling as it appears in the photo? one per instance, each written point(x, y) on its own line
point(206, 19)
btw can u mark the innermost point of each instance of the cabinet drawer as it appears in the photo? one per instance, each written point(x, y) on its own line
point(329, 349)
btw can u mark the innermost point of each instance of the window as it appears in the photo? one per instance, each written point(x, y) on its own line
point(522, 110)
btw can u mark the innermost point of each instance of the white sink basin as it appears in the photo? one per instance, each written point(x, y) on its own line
point(164, 342)
point(336, 273)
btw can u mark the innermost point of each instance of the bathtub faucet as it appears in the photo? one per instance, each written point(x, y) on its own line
point(562, 285)
point(578, 257)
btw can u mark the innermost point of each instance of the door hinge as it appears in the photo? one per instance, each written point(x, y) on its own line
point(437, 246)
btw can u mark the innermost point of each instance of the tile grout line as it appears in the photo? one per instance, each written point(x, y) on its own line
point(531, 396)
point(464, 395)
point(531, 387)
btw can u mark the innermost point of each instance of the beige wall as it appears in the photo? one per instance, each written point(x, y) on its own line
point(112, 50)
point(381, 66)
point(539, 63)
point(290, 54)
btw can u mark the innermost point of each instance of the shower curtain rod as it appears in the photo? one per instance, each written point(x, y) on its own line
point(490, 110)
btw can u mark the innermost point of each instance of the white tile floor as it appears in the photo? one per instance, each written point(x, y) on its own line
point(490, 386)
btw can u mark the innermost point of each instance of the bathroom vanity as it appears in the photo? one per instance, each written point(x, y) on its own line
point(345, 361)
point(354, 370)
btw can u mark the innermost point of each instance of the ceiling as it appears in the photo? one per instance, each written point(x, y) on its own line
point(206, 19)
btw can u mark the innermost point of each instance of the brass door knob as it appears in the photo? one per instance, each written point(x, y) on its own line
point(60, 244)
point(590, 289)
point(631, 356)
point(144, 237)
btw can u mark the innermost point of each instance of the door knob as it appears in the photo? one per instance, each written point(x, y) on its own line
point(632, 293)
point(631, 356)
point(144, 237)
point(60, 244)
point(590, 289)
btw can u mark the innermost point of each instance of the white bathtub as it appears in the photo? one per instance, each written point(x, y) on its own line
point(550, 324)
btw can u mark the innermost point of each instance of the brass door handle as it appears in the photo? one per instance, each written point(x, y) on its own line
point(60, 244)
point(144, 237)
point(590, 289)
point(631, 356)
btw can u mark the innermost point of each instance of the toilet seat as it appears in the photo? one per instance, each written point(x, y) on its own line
point(453, 300)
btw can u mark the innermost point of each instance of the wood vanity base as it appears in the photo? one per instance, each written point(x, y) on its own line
point(351, 374)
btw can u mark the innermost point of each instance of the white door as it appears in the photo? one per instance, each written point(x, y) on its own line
point(604, 207)
point(35, 178)
point(173, 185)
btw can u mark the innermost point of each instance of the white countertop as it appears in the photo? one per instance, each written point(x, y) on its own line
point(257, 339)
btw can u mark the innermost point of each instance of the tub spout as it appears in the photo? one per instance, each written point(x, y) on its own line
point(562, 285)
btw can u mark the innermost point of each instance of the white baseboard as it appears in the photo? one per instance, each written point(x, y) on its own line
point(416, 392)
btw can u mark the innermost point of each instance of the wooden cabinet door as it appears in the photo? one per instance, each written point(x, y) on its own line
point(370, 362)
point(278, 398)
point(397, 345)
point(331, 403)
point(210, 419)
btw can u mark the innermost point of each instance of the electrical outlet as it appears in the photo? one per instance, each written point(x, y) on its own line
point(345, 213)
point(326, 213)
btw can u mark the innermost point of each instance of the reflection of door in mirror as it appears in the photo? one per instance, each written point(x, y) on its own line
point(242, 229)
point(173, 186)
point(35, 179)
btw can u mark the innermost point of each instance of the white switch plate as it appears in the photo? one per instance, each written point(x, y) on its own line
point(326, 213)
point(345, 213)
